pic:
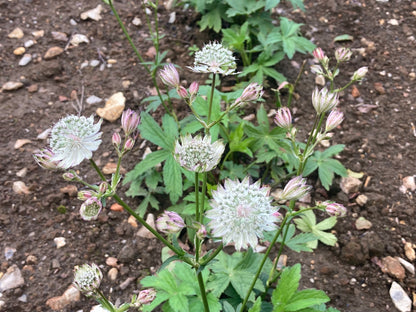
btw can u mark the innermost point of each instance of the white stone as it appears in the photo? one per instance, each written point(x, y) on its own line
point(112, 274)
point(11, 279)
point(407, 265)
point(409, 183)
point(320, 80)
point(145, 233)
point(93, 100)
point(77, 39)
point(25, 60)
point(93, 14)
point(59, 242)
point(22, 173)
point(172, 18)
point(98, 308)
point(136, 21)
point(393, 22)
point(17, 33)
point(94, 63)
point(19, 187)
point(12, 85)
point(400, 299)
point(9, 252)
point(44, 135)
point(361, 200)
point(363, 224)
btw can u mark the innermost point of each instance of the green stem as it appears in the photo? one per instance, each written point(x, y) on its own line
point(203, 293)
point(265, 257)
point(120, 22)
point(104, 302)
point(213, 255)
point(211, 99)
point(203, 194)
point(100, 173)
point(197, 212)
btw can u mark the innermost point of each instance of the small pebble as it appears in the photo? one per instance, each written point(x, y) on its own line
point(59, 242)
point(77, 39)
point(19, 51)
point(29, 43)
point(53, 52)
point(94, 63)
point(112, 274)
point(136, 21)
point(20, 188)
point(21, 173)
point(17, 33)
point(44, 135)
point(12, 85)
point(25, 60)
point(93, 100)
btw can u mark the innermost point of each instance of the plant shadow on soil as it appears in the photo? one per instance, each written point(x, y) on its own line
point(377, 132)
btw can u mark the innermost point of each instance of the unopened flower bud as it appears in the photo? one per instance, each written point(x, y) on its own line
point(145, 296)
point(251, 93)
point(334, 119)
point(103, 187)
point(343, 54)
point(282, 85)
point(90, 209)
point(359, 74)
point(87, 278)
point(323, 101)
point(319, 54)
point(44, 159)
point(129, 121)
point(182, 92)
point(283, 118)
point(193, 88)
point(334, 209)
point(295, 189)
point(201, 230)
point(84, 195)
point(116, 139)
point(278, 216)
point(170, 222)
point(129, 144)
point(170, 76)
point(316, 69)
point(69, 176)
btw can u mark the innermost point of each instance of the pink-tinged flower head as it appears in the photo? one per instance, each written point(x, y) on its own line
point(359, 74)
point(170, 223)
point(343, 54)
point(170, 76)
point(44, 158)
point(215, 59)
point(73, 139)
point(334, 119)
point(116, 140)
point(198, 154)
point(87, 278)
point(128, 146)
point(241, 212)
point(84, 195)
point(334, 209)
point(318, 54)
point(283, 118)
point(252, 92)
point(70, 176)
point(90, 209)
point(145, 296)
point(295, 189)
point(323, 101)
point(130, 120)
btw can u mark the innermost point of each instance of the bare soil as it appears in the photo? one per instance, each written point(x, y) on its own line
point(377, 132)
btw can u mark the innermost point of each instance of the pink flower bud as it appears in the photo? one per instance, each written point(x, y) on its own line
point(145, 297)
point(182, 92)
point(334, 209)
point(334, 119)
point(319, 54)
point(359, 74)
point(193, 88)
point(323, 101)
point(343, 54)
point(90, 209)
point(278, 216)
point(69, 176)
point(282, 85)
point(129, 121)
point(103, 187)
point(170, 76)
point(116, 139)
point(295, 189)
point(129, 144)
point(201, 230)
point(170, 222)
point(83, 195)
point(251, 93)
point(283, 118)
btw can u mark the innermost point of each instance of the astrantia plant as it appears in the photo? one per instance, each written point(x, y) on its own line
point(234, 212)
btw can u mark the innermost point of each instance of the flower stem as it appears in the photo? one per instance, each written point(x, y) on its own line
point(203, 293)
point(213, 255)
point(266, 255)
point(211, 99)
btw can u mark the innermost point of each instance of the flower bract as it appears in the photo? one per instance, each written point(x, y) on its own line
point(241, 212)
point(73, 139)
point(87, 278)
point(198, 154)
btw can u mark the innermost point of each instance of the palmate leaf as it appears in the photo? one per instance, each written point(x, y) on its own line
point(286, 287)
point(172, 177)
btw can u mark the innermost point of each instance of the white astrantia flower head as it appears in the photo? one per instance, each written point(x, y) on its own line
point(215, 59)
point(198, 154)
point(73, 139)
point(87, 278)
point(241, 212)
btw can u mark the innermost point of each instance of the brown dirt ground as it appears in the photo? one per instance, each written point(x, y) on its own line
point(377, 132)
